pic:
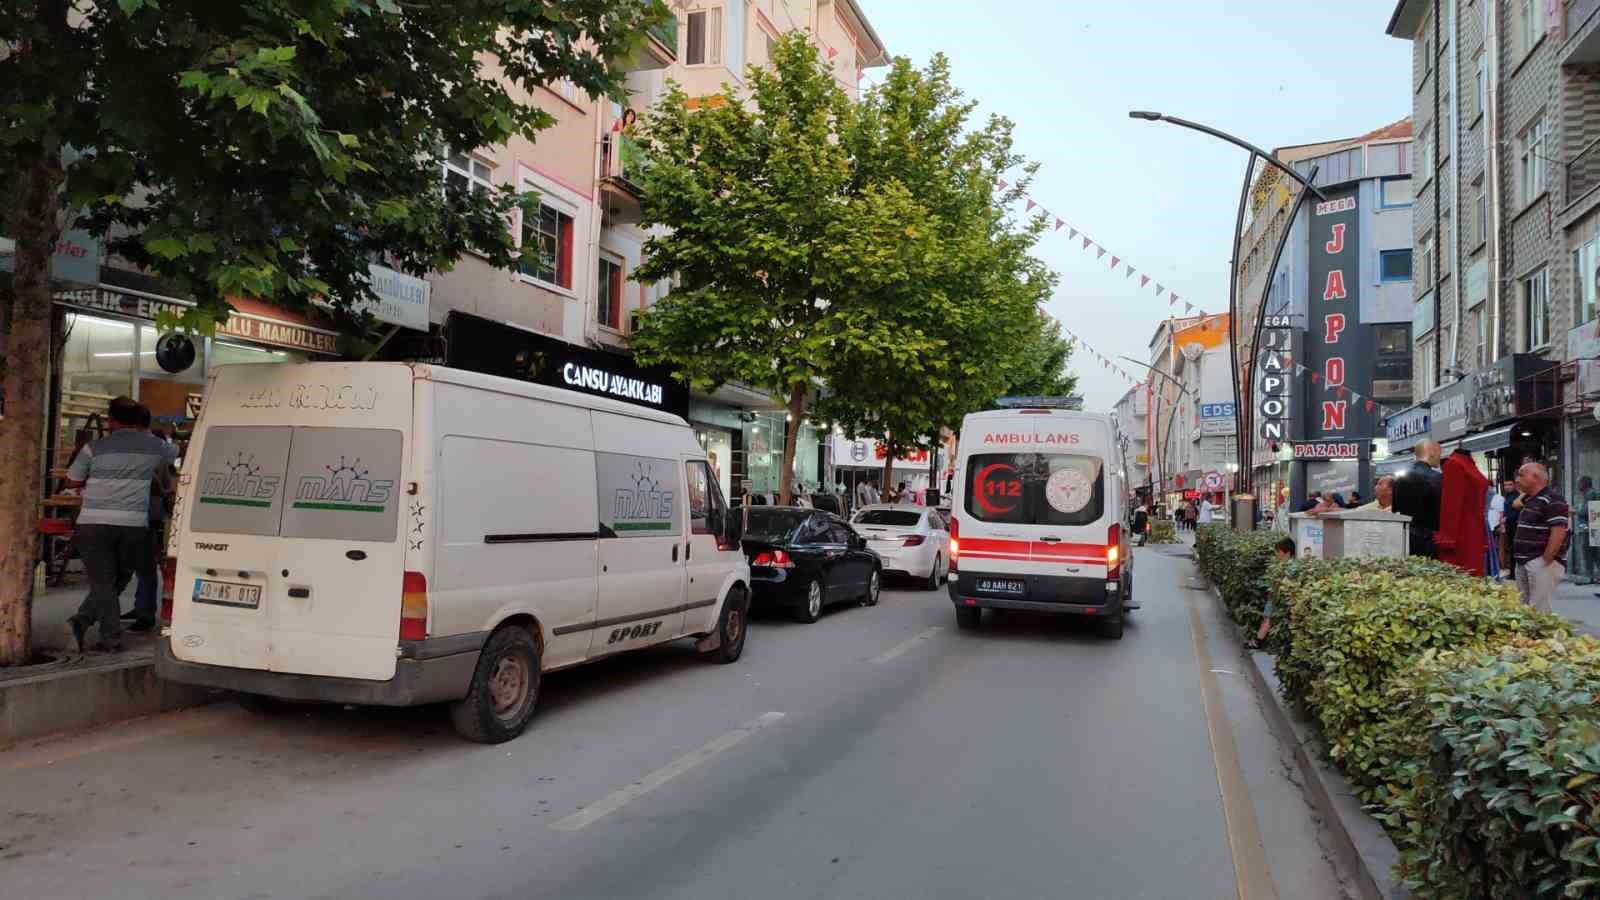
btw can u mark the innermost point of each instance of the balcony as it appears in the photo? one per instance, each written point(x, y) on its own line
point(660, 48)
point(1583, 171)
point(1582, 45)
point(621, 160)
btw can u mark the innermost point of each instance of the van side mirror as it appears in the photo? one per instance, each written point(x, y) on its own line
point(730, 529)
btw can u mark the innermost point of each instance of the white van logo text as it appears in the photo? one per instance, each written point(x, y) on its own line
point(239, 483)
point(346, 488)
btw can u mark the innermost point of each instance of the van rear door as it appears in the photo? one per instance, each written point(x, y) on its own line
point(291, 558)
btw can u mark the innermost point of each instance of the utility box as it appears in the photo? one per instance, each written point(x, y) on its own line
point(1244, 512)
point(1355, 534)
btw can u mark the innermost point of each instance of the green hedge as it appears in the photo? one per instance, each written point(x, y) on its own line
point(1163, 531)
point(1467, 721)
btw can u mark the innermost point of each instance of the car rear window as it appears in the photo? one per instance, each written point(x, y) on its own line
point(331, 483)
point(900, 518)
point(774, 526)
point(1035, 488)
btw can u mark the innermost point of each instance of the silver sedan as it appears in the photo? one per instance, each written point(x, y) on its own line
point(912, 540)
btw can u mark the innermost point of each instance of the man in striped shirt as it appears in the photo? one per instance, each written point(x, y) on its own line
point(115, 473)
point(1543, 530)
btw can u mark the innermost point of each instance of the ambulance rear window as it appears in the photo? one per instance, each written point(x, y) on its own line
point(1035, 488)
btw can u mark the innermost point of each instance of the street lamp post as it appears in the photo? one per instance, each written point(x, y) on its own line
point(1241, 422)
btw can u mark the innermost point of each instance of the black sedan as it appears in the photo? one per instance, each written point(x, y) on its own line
point(804, 559)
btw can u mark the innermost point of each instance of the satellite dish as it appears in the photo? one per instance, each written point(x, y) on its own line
point(1192, 350)
point(1597, 412)
point(175, 352)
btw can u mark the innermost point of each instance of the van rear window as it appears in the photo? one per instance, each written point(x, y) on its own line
point(1035, 488)
point(299, 482)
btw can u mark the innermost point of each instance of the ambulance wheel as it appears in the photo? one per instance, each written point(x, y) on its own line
point(731, 629)
point(810, 609)
point(1111, 627)
point(968, 617)
point(504, 689)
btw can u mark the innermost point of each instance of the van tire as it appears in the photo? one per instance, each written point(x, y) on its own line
point(1111, 627)
point(504, 689)
point(732, 626)
point(968, 618)
point(810, 609)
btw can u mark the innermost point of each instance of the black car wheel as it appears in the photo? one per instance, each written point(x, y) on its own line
point(968, 617)
point(931, 583)
point(810, 609)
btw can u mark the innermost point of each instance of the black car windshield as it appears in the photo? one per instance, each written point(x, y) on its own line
point(900, 518)
point(774, 526)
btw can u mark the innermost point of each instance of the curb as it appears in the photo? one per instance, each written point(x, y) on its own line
point(1361, 842)
point(78, 697)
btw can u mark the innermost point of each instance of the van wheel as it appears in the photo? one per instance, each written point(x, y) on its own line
point(810, 609)
point(504, 689)
point(1111, 627)
point(968, 617)
point(874, 588)
point(731, 629)
point(931, 583)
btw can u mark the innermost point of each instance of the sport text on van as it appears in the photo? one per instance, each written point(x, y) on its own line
point(1036, 517)
point(450, 538)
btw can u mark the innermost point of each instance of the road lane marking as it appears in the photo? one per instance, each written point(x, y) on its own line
point(617, 799)
point(1250, 869)
point(899, 650)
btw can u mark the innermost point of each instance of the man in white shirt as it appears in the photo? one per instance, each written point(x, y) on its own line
point(1207, 511)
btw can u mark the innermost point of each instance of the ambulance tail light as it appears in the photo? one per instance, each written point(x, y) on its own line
point(414, 607)
point(1113, 550)
point(955, 541)
point(169, 578)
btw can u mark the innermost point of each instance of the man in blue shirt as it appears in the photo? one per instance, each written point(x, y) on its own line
point(113, 529)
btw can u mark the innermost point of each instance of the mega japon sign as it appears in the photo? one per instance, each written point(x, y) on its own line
point(1338, 349)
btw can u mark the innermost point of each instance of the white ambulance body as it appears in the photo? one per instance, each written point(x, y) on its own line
point(1037, 515)
point(394, 534)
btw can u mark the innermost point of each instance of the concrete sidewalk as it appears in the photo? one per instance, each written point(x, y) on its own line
point(1579, 603)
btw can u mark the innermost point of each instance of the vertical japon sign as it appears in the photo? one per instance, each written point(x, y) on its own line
point(1338, 349)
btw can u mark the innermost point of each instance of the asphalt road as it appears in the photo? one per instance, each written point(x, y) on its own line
point(878, 753)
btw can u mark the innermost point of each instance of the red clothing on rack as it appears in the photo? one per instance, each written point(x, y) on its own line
point(1462, 527)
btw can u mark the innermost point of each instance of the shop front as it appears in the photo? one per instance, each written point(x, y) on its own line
point(1491, 415)
point(1582, 434)
point(108, 336)
point(860, 460)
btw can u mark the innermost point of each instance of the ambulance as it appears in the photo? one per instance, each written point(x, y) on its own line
point(397, 534)
point(1038, 515)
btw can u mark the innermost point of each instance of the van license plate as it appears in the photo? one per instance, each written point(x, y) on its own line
point(1001, 585)
point(226, 593)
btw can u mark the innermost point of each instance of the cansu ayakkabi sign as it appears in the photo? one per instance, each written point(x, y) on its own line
point(622, 387)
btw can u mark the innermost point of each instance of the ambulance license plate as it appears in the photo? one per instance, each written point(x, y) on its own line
point(227, 593)
point(1002, 585)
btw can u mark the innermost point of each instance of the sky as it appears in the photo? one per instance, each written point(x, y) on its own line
point(1161, 197)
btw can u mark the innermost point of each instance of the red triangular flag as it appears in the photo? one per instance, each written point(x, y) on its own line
point(1059, 223)
point(1086, 242)
point(616, 126)
point(832, 53)
point(1001, 182)
point(1316, 377)
point(1369, 406)
point(1341, 390)
point(1144, 280)
point(1031, 204)
point(1114, 260)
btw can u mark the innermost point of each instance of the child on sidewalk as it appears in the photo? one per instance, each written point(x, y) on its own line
point(1283, 549)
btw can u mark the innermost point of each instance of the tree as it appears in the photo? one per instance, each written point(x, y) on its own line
point(777, 250)
point(1042, 364)
point(967, 313)
point(257, 148)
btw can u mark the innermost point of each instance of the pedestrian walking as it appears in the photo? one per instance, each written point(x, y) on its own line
point(1543, 533)
point(147, 571)
point(113, 528)
point(1510, 506)
point(1141, 523)
point(1208, 511)
point(1494, 517)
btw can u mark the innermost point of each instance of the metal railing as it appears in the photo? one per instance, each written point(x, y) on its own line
point(1583, 170)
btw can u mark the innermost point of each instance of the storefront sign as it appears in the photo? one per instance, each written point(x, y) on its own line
point(401, 299)
point(1327, 449)
point(1449, 411)
point(75, 262)
point(1274, 381)
point(494, 348)
point(1493, 395)
point(1404, 427)
point(868, 453)
point(250, 321)
point(1333, 476)
point(1217, 418)
point(1338, 349)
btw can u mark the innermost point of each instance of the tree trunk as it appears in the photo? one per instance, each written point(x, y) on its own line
point(791, 443)
point(889, 453)
point(36, 227)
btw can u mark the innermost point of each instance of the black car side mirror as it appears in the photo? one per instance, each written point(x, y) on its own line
point(857, 542)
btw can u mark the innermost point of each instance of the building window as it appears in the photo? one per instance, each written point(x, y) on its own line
point(1394, 265)
point(705, 37)
point(1427, 53)
point(1480, 328)
point(608, 293)
point(1583, 292)
point(1424, 150)
point(1530, 167)
point(1394, 192)
point(547, 247)
point(1536, 309)
point(1425, 359)
point(1480, 217)
point(1480, 90)
point(1530, 24)
point(467, 174)
point(1429, 261)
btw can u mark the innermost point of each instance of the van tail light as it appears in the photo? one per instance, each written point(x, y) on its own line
point(955, 542)
point(414, 607)
point(169, 580)
point(773, 559)
point(913, 540)
point(1113, 550)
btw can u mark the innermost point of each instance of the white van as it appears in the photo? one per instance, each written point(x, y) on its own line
point(1036, 517)
point(397, 534)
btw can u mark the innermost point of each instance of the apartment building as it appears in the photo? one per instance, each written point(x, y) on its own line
point(1191, 424)
point(574, 297)
point(1132, 412)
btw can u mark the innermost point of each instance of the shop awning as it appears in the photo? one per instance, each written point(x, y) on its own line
point(1497, 439)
